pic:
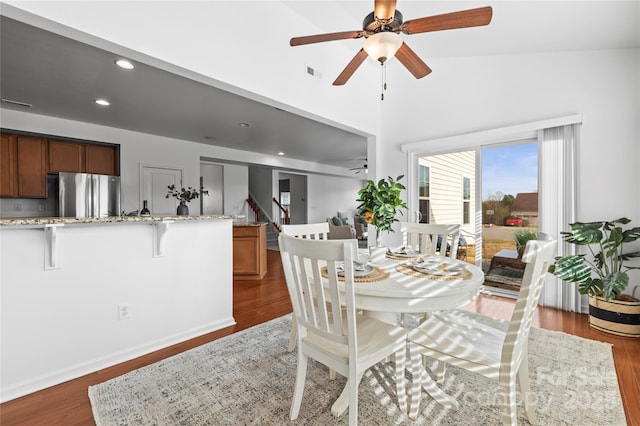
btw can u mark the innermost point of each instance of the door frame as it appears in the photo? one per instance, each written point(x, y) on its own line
point(141, 180)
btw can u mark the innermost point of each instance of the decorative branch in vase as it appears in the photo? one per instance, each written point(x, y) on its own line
point(380, 203)
point(184, 196)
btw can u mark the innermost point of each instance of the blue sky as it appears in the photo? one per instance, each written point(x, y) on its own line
point(510, 169)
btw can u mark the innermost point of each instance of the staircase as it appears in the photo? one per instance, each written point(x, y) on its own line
point(258, 216)
point(272, 236)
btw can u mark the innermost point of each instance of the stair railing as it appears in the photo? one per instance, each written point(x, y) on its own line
point(284, 214)
point(260, 212)
point(255, 211)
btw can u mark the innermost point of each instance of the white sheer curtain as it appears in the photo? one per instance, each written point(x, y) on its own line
point(557, 150)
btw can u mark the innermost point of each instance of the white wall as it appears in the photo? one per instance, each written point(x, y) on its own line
point(466, 95)
point(330, 195)
point(63, 323)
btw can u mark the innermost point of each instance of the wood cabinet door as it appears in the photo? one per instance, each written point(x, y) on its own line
point(250, 251)
point(101, 159)
point(8, 171)
point(246, 255)
point(66, 157)
point(32, 167)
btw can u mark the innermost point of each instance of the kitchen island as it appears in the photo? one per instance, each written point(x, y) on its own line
point(81, 294)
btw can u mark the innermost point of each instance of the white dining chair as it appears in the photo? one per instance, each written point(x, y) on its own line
point(455, 338)
point(343, 340)
point(425, 236)
point(317, 231)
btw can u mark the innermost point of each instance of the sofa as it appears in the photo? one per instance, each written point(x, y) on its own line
point(340, 229)
point(360, 226)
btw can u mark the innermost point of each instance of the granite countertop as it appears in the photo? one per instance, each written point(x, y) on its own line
point(245, 224)
point(41, 221)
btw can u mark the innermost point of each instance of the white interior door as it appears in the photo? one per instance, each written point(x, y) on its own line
point(212, 181)
point(154, 181)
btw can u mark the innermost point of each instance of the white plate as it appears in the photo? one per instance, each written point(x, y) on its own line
point(435, 269)
point(404, 252)
point(357, 270)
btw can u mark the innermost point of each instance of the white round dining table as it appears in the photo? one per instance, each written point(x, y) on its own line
point(417, 292)
point(413, 293)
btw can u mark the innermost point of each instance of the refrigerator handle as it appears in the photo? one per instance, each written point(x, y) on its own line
point(95, 199)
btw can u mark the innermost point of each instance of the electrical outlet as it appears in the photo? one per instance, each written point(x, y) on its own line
point(124, 311)
point(41, 207)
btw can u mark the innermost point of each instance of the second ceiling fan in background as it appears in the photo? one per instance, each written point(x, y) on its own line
point(381, 30)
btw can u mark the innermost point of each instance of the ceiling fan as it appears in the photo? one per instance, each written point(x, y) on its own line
point(381, 30)
point(364, 169)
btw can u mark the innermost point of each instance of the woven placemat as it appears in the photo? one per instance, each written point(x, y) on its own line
point(376, 275)
point(408, 270)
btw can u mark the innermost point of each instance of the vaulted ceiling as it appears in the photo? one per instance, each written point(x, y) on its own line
point(56, 75)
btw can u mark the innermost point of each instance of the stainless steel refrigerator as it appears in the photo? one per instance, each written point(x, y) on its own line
point(89, 195)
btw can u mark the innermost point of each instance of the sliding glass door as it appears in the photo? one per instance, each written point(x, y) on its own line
point(492, 191)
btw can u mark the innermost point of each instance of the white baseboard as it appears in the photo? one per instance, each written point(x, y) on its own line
point(56, 377)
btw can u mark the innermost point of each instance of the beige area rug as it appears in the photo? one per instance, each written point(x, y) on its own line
point(247, 379)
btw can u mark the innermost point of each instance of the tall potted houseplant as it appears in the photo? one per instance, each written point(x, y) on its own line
point(379, 203)
point(603, 273)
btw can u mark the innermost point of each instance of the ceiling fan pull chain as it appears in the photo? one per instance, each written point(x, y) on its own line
point(384, 79)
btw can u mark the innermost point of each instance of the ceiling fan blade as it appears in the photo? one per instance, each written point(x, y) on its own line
point(351, 67)
point(449, 21)
point(384, 9)
point(318, 38)
point(412, 61)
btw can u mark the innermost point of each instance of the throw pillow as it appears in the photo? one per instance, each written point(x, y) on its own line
point(336, 221)
point(343, 217)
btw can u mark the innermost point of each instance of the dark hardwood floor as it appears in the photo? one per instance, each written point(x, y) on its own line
point(258, 301)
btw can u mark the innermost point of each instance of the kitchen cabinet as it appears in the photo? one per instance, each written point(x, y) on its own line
point(8, 163)
point(76, 157)
point(250, 251)
point(66, 157)
point(32, 167)
point(101, 159)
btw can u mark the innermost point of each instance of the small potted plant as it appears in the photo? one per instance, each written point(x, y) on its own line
point(184, 196)
point(380, 203)
point(522, 236)
point(603, 274)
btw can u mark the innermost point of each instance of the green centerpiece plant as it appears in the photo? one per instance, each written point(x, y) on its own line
point(379, 203)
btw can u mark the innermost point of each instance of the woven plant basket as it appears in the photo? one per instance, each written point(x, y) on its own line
point(615, 316)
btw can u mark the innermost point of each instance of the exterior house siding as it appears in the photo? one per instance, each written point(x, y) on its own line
point(445, 187)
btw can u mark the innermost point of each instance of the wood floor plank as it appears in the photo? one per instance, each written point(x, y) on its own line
point(259, 301)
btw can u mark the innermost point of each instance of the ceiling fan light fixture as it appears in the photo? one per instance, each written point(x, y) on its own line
point(382, 46)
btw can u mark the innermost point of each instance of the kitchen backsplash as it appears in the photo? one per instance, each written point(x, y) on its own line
point(32, 207)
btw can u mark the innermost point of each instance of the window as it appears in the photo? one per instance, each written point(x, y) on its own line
point(423, 182)
point(423, 193)
point(466, 200)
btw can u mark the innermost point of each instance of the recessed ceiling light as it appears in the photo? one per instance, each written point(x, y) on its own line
point(244, 124)
point(102, 102)
point(123, 63)
point(281, 153)
point(210, 138)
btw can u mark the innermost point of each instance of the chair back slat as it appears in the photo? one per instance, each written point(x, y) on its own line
point(314, 231)
point(431, 238)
